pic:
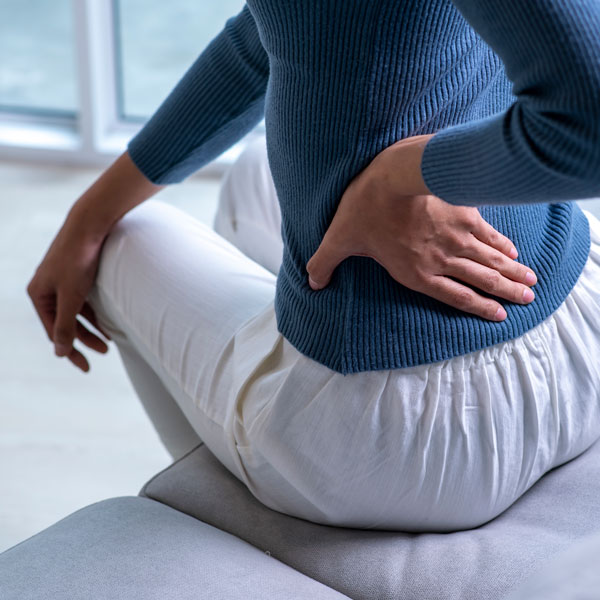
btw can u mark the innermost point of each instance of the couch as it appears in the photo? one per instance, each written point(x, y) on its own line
point(195, 531)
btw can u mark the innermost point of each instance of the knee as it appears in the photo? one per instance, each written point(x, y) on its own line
point(126, 248)
point(131, 243)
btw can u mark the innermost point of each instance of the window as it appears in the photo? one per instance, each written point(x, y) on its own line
point(78, 78)
point(37, 71)
point(149, 62)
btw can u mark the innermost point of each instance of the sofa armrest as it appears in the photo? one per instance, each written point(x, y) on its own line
point(133, 547)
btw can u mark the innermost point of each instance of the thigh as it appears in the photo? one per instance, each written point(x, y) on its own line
point(180, 293)
point(436, 447)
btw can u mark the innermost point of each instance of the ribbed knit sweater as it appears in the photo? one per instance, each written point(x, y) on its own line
point(511, 88)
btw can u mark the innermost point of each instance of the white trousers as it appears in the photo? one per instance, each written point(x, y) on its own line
point(437, 447)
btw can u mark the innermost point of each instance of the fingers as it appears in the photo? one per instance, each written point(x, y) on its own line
point(484, 232)
point(487, 256)
point(324, 261)
point(68, 306)
point(489, 280)
point(88, 312)
point(78, 360)
point(45, 306)
point(463, 298)
point(90, 339)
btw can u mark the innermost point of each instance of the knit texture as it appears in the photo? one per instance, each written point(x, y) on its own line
point(512, 91)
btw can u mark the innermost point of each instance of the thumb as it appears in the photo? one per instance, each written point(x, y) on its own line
point(323, 263)
point(67, 307)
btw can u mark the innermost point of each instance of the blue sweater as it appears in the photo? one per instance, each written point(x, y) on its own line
point(510, 87)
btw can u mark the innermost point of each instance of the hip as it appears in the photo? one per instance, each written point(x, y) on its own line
point(385, 448)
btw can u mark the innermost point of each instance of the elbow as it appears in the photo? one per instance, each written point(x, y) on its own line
point(588, 154)
point(567, 144)
point(582, 164)
point(560, 124)
point(583, 140)
point(585, 152)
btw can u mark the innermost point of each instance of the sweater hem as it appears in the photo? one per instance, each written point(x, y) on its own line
point(321, 333)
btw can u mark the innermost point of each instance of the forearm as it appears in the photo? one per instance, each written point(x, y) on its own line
point(119, 189)
point(546, 146)
point(218, 101)
point(400, 166)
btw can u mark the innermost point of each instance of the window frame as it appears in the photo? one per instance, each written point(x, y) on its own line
point(97, 134)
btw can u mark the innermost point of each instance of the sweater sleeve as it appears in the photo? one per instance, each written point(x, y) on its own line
point(546, 146)
point(218, 101)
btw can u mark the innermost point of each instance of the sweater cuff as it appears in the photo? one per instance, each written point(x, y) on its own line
point(454, 168)
point(498, 160)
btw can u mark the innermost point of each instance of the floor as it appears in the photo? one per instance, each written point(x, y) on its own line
point(67, 439)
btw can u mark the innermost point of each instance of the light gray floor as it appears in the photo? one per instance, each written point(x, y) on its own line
point(67, 439)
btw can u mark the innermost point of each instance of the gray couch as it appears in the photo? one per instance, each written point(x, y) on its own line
point(196, 532)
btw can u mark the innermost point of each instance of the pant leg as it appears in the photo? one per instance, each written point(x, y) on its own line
point(169, 421)
point(173, 293)
point(432, 448)
point(248, 214)
point(437, 447)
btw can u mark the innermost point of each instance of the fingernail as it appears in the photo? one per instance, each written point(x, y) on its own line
point(313, 284)
point(500, 314)
point(527, 295)
point(530, 278)
point(61, 349)
point(513, 253)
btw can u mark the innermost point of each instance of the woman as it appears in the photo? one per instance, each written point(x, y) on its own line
point(368, 384)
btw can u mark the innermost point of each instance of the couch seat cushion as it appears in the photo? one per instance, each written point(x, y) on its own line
point(573, 574)
point(486, 562)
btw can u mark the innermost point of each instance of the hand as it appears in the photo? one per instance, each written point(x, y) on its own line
point(422, 242)
point(65, 276)
point(59, 289)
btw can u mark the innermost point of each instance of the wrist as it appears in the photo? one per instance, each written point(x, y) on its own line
point(403, 165)
point(119, 189)
point(84, 220)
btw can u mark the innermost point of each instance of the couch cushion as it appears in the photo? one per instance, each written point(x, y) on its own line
point(135, 548)
point(485, 562)
point(572, 575)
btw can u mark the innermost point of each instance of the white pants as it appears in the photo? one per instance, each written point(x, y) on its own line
point(437, 447)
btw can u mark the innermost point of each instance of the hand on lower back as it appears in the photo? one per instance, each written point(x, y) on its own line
point(425, 244)
point(59, 289)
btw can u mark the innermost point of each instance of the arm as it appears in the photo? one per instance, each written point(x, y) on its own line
point(64, 278)
point(218, 101)
point(546, 146)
